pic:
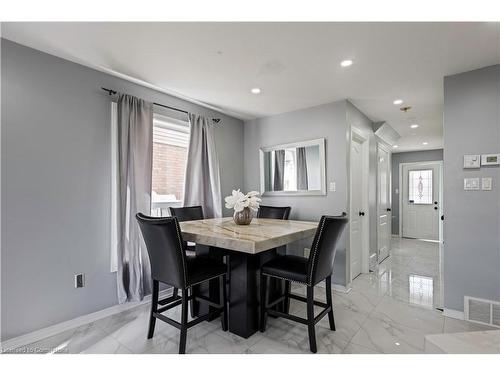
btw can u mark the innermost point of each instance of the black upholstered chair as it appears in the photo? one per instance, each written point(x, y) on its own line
point(270, 212)
point(308, 271)
point(187, 214)
point(170, 265)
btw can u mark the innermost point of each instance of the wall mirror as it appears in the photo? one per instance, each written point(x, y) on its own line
point(293, 169)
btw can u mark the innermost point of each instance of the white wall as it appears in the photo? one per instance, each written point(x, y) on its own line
point(472, 218)
point(56, 185)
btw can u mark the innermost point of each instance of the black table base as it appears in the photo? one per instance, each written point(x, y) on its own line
point(243, 287)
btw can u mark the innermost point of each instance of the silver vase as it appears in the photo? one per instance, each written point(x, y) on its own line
point(243, 217)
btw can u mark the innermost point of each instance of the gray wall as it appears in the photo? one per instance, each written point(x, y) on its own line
point(329, 121)
point(407, 157)
point(56, 183)
point(472, 218)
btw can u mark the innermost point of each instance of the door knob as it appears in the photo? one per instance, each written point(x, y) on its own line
point(435, 208)
point(388, 210)
point(361, 213)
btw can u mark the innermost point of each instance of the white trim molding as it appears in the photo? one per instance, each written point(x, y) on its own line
point(341, 288)
point(455, 314)
point(55, 329)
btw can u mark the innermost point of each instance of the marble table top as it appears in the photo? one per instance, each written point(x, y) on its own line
point(479, 342)
point(260, 235)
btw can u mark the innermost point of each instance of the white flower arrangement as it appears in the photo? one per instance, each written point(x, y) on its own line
point(240, 201)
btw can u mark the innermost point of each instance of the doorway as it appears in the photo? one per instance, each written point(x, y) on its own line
point(384, 216)
point(358, 205)
point(420, 201)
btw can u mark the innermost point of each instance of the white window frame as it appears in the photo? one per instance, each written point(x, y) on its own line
point(114, 189)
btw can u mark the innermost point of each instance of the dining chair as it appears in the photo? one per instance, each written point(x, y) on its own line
point(307, 271)
point(270, 212)
point(187, 214)
point(170, 265)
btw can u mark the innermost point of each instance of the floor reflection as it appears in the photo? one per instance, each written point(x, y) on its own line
point(421, 290)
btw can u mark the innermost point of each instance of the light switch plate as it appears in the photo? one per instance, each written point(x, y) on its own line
point(472, 161)
point(486, 183)
point(471, 183)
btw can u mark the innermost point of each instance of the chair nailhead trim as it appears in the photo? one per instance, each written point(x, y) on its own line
point(284, 278)
point(183, 253)
point(316, 249)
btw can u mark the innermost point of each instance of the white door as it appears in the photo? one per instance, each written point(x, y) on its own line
point(383, 203)
point(420, 200)
point(356, 223)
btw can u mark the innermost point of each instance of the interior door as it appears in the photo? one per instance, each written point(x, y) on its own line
point(356, 207)
point(383, 203)
point(420, 200)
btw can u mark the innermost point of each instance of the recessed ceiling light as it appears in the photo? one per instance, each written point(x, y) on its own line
point(414, 126)
point(395, 146)
point(425, 143)
point(346, 63)
point(255, 90)
point(398, 101)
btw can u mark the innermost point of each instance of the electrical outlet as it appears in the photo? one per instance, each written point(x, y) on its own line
point(79, 280)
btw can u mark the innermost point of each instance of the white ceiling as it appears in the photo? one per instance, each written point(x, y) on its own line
point(295, 64)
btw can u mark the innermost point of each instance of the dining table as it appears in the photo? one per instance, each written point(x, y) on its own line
point(245, 248)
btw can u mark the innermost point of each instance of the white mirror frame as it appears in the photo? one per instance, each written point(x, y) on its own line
point(322, 166)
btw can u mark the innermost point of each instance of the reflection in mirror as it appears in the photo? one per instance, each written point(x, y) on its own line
point(297, 168)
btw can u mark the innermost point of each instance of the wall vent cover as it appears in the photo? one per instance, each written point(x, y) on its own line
point(482, 311)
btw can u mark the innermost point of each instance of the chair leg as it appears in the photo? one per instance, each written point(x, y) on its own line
point(223, 301)
point(310, 318)
point(182, 341)
point(228, 277)
point(264, 295)
point(329, 302)
point(287, 297)
point(154, 307)
point(191, 303)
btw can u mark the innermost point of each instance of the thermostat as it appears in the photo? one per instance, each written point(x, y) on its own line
point(490, 159)
point(472, 161)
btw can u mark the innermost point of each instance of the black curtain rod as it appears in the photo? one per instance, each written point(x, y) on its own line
point(113, 92)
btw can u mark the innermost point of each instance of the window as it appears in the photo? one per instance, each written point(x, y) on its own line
point(170, 148)
point(420, 186)
point(290, 173)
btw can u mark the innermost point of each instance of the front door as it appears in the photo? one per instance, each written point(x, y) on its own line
point(420, 200)
point(383, 203)
point(356, 223)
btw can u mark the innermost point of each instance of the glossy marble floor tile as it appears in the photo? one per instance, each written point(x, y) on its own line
point(387, 311)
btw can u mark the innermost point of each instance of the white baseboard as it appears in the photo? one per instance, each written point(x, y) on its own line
point(455, 314)
point(55, 329)
point(341, 288)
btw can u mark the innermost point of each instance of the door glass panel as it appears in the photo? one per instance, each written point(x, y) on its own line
point(420, 186)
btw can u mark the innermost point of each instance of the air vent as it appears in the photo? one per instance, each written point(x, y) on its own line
point(482, 311)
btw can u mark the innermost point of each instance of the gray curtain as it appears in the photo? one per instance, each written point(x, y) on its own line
point(135, 148)
point(279, 170)
point(301, 169)
point(202, 184)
